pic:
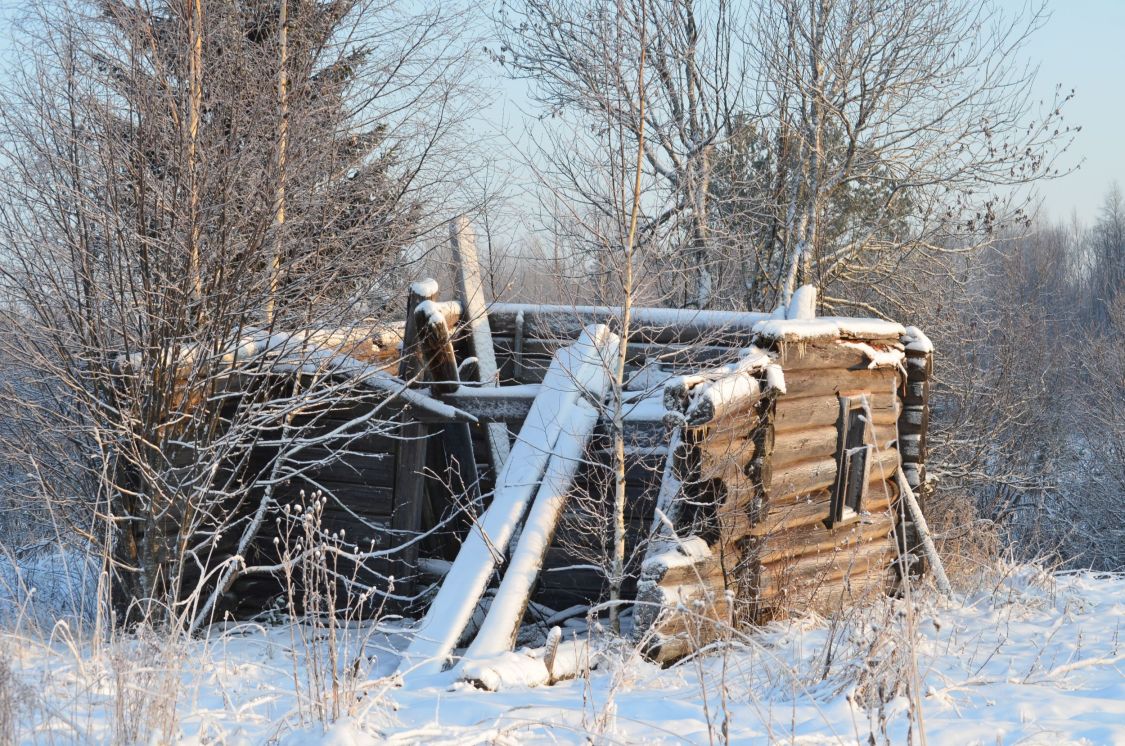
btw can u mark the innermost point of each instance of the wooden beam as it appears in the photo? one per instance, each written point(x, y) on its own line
point(497, 634)
point(659, 325)
point(487, 542)
point(475, 317)
point(436, 346)
point(410, 461)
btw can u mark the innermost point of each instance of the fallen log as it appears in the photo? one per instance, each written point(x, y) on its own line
point(537, 667)
point(498, 633)
point(572, 371)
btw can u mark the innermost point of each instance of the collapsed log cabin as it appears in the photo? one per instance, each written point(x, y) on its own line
point(763, 458)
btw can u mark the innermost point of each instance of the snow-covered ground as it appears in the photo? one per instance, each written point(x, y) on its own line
point(1028, 658)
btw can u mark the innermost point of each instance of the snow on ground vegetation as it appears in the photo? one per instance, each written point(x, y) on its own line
point(1027, 657)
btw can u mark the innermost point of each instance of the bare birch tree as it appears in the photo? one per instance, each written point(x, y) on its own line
point(890, 127)
point(686, 106)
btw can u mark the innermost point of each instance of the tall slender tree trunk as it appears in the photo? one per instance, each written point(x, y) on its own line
point(617, 574)
point(195, 109)
point(282, 154)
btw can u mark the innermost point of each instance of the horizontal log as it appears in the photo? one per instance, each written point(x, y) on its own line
point(919, 365)
point(830, 597)
point(914, 419)
point(539, 351)
point(792, 356)
point(364, 499)
point(666, 603)
point(510, 404)
point(575, 534)
point(787, 577)
point(806, 477)
point(803, 445)
point(665, 649)
point(814, 508)
point(801, 413)
point(839, 380)
point(917, 392)
point(913, 448)
point(794, 446)
point(730, 397)
point(718, 459)
point(662, 325)
point(729, 428)
point(370, 471)
point(816, 538)
point(707, 573)
point(699, 623)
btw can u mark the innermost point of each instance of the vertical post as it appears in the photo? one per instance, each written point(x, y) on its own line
point(474, 314)
point(913, 423)
point(436, 347)
point(410, 484)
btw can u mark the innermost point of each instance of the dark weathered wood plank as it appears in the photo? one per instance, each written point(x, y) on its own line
point(409, 494)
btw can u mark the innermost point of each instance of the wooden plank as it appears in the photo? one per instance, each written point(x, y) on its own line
point(818, 382)
point(801, 413)
point(410, 485)
point(475, 316)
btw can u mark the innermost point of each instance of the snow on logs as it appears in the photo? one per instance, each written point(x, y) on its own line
point(498, 632)
point(574, 370)
point(763, 435)
point(653, 325)
point(748, 524)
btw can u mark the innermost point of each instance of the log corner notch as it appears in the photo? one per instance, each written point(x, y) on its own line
point(913, 425)
point(796, 449)
point(715, 481)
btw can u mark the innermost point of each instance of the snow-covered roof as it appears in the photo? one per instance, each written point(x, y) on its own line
point(798, 322)
point(827, 328)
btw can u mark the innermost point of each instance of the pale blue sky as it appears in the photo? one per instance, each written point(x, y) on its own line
point(1082, 47)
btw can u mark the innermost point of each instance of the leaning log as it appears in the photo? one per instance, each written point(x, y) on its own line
point(471, 290)
point(498, 632)
point(487, 541)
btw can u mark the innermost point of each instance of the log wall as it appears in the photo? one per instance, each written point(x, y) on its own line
point(757, 487)
point(771, 471)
